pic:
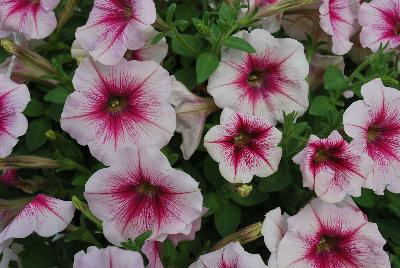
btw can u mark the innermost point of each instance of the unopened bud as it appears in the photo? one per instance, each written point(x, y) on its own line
point(16, 162)
point(243, 236)
point(67, 13)
point(243, 190)
point(281, 6)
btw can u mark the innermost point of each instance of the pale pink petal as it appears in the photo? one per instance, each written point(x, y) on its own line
point(140, 192)
point(156, 53)
point(374, 125)
point(191, 114)
point(232, 255)
point(380, 20)
point(34, 19)
point(266, 83)
point(326, 235)
point(13, 100)
point(43, 215)
point(118, 106)
point(244, 146)
point(152, 251)
point(114, 27)
point(333, 168)
point(339, 19)
point(109, 257)
point(274, 228)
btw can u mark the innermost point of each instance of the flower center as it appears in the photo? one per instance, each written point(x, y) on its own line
point(397, 28)
point(147, 189)
point(321, 156)
point(116, 104)
point(242, 139)
point(326, 244)
point(256, 78)
point(373, 133)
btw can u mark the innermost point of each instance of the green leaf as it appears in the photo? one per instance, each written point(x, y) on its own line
point(58, 95)
point(34, 109)
point(36, 134)
point(213, 202)
point(206, 64)
point(238, 43)
point(54, 112)
point(227, 219)
point(211, 172)
point(321, 106)
point(157, 38)
point(277, 181)
point(187, 76)
point(187, 45)
point(84, 208)
point(334, 79)
point(170, 13)
point(367, 199)
point(390, 229)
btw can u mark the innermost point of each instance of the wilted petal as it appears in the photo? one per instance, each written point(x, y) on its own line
point(326, 235)
point(191, 114)
point(244, 146)
point(339, 19)
point(274, 228)
point(118, 106)
point(333, 168)
point(141, 192)
point(43, 214)
point(34, 19)
point(319, 64)
point(374, 125)
point(13, 100)
point(109, 257)
point(232, 255)
point(266, 83)
point(114, 27)
point(380, 22)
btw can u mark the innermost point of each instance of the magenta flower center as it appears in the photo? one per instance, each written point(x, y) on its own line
point(397, 28)
point(117, 104)
point(326, 244)
point(242, 139)
point(147, 189)
point(373, 133)
point(322, 156)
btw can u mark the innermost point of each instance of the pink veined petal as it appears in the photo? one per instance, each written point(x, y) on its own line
point(44, 215)
point(244, 146)
point(274, 228)
point(266, 83)
point(114, 27)
point(232, 255)
point(376, 132)
point(140, 192)
point(326, 235)
point(13, 100)
point(108, 257)
point(333, 168)
point(380, 20)
point(118, 106)
point(34, 19)
point(339, 19)
point(191, 111)
point(152, 251)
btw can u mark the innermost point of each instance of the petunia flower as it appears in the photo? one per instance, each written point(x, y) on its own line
point(118, 106)
point(232, 255)
point(333, 168)
point(151, 249)
point(319, 64)
point(339, 19)
point(13, 100)
point(273, 229)
point(10, 254)
point(109, 257)
point(270, 23)
point(9, 177)
point(149, 52)
point(114, 27)
point(191, 114)
point(380, 22)
point(141, 192)
point(374, 125)
point(266, 83)
point(325, 235)
point(34, 19)
point(244, 146)
point(41, 214)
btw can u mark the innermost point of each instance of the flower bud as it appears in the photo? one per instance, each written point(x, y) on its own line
point(243, 190)
point(15, 162)
point(243, 236)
